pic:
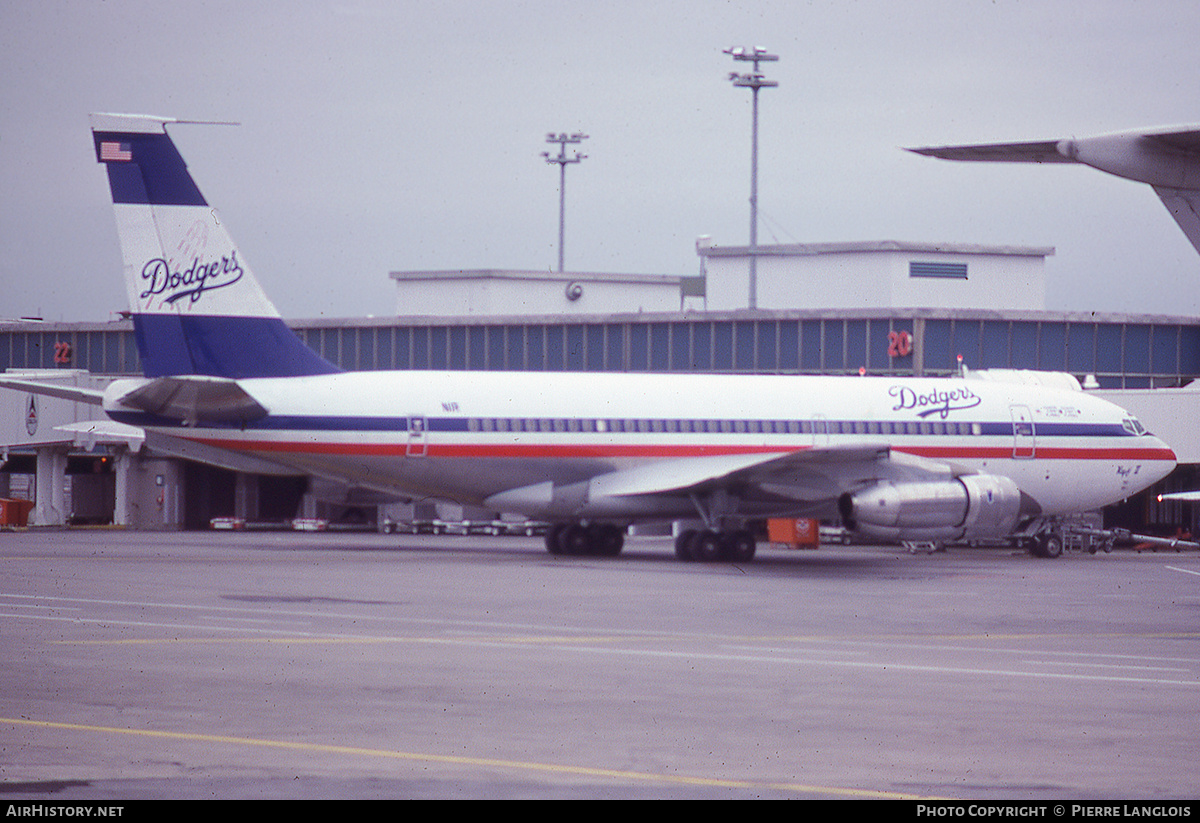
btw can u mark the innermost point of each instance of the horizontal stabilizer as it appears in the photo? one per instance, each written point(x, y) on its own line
point(195, 398)
point(63, 392)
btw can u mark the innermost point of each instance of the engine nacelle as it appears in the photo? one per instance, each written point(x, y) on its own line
point(963, 508)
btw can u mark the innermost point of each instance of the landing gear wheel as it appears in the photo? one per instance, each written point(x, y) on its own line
point(1047, 545)
point(683, 545)
point(708, 547)
point(554, 534)
point(576, 539)
point(740, 546)
point(605, 539)
point(567, 538)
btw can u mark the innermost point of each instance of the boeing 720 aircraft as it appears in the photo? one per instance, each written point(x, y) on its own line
point(227, 382)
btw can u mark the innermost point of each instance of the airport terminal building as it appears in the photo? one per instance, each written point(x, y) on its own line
point(881, 308)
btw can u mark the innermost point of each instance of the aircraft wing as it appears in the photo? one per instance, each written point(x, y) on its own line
point(764, 484)
point(1187, 497)
point(1041, 151)
point(1185, 139)
point(1166, 158)
point(1184, 206)
point(89, 431)
point(213, 456)
point(806, 482)
point(704, 474)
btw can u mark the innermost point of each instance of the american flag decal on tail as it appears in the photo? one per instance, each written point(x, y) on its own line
point(115, 152)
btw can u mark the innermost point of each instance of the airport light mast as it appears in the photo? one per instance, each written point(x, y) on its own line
point(562, 160)
point(753, 81)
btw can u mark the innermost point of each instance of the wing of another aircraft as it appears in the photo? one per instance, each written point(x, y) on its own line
point(1166, 158)
point(1184, 205)
point(1186, 497)
point(1045, 151)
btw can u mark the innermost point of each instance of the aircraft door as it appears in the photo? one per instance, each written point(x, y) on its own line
point(1024, 438)
point(820, 431)
point(418, 438)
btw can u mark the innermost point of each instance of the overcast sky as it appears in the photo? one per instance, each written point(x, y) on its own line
point(383, 135)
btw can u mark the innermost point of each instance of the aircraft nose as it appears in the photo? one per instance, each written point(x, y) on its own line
point(1163, 455)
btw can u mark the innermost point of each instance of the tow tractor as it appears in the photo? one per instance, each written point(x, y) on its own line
point(1051, 539)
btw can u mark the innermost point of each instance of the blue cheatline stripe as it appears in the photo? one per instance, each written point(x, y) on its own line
point(542, 426)
point(154, 173)
point(236, 347)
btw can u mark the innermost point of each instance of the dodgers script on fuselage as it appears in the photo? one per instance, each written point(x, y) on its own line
point(938, 401)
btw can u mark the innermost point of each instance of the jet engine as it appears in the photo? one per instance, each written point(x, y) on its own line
point(962, 508)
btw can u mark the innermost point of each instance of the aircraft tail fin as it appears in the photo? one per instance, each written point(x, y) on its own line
point(197, 308)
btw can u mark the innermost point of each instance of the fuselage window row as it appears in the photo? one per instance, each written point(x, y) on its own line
point(688, 426)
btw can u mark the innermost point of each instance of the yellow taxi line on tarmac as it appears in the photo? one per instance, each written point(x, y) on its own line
point(572, 639)
point(482, 762)
point(974, 636)
point(465, 639)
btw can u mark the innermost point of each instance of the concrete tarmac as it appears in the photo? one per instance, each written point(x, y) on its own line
point(350, 665)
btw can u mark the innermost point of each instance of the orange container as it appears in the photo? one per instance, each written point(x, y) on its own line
point(794, 532)
point(14, 511)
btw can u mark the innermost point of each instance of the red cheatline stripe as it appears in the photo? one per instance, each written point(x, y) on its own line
point(617, 450)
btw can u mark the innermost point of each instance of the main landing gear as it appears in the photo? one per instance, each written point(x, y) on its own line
point(711, 546)
point(592, 539)
point(607, 540)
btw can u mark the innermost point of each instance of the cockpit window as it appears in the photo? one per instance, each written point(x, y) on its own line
point(1132, 426)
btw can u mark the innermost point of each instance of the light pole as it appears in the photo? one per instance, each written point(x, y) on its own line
point(562, 160)
point(753, 81)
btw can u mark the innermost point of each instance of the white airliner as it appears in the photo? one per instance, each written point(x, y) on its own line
point(894, 458)
point(1168, 158)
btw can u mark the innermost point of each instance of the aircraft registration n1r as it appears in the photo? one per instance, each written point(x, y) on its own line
point(893, 458)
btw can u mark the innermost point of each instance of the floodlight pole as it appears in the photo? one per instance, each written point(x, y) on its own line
point(562, 160)
point(753, 81)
